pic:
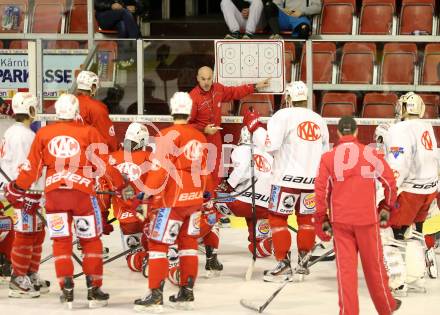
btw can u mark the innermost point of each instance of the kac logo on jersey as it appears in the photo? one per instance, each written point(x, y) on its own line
point(193, 150)
point(63, 147)
point(396, 151)
point(132, 170)
point(261, 163)
point(309, 131)
point(25, 166)
point(427, 141)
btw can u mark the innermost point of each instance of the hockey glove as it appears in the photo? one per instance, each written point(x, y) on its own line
point(31, 203)
point(14, 194)
point(251, 120)
point(385, 213)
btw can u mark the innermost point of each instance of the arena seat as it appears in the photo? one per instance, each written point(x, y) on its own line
point(7, 25)
point(324, 55)
point(398, 64)
point(289, 59)
point(376, 17)
point(379, 105)
point(63, 44)
point(263, 103)
point(78, 17)
point(339, 104)
point(18, 44)
point(431, 65)
point(416, 15)
point(337, 16)
point(1, 44)
point(432, 102)
point(357, 63)
point(48, 16)
point(227, 108)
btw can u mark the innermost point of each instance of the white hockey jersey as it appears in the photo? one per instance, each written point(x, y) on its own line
point(297, 137)
point(239, 178)
point(411, 151)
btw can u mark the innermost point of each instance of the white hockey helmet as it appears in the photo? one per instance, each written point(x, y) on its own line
point(22, 102)
point(380, 132)
point(86, 80)
point(67, 106)
point(410, 104)
point(181, 103)
point(138, 133)
point(245, 136)
point(295, 92)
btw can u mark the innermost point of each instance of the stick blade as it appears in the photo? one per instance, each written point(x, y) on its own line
point(250, 305)
point(250, 271)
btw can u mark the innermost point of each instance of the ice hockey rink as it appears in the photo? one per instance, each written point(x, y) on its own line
point(317, 295)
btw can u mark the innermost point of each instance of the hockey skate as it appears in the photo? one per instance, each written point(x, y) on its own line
point(66, 296)
point(401, 291)
point(184, 299)
point(22, 287)
point(5, 269)
point(39, 284)
point(152, 302)
point(281, 272)
point(213, 267)
point(95, 296)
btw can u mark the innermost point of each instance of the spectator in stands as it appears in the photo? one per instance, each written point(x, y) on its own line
point(242, 14)
point(152, 105)
point(4, 107)
point(206, 110)
point(291, 15)
point(113, 99)
point(120, 15)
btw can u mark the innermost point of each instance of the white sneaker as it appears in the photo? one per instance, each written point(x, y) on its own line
point(22, 287)
point(39, 284)
point(275, 36)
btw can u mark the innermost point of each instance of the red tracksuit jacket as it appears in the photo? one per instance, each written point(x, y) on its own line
point(346, 183)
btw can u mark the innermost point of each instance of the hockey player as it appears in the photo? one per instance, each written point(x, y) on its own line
point(180, 158)
point(133, 161)
point(92, 111)
point(297, 137)
point(411, 151)
point(29, 229)
point(346, 208)
point(239, 180)
point(72, 154)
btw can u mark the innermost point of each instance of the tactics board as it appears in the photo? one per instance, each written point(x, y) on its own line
point(250, 61)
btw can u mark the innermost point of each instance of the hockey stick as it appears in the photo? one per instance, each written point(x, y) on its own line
point(251, 267)
point(260, 308)
point(125, 252)
point(236, 194)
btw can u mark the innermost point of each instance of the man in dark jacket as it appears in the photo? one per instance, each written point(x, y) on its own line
point(346, 208)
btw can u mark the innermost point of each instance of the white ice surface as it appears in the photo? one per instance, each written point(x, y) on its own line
point(317, 295)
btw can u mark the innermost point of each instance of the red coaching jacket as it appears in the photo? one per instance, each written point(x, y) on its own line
point(346, 183)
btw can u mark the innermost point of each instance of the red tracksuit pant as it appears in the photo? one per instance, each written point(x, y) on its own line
point(349, 240)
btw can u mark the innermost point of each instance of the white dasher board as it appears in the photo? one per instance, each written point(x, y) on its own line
point(250, 61)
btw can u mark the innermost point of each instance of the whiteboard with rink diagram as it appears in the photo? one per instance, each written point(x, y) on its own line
point(250, 61)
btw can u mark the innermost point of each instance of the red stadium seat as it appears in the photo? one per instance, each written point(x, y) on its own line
point(1, 44)
point(431, 65)
point(378, 105)
point(78, 17)
point(357, 63)
point(18, 44)
point(337, 16)
point(377, 17)
point(14, 8)
point(48, 16)
point(398, 63)
point(289, 59)
point(227, 108)
point(263, 103)
point(432, 102)
point(324, 55)
point(339, 104)
point(63, 44)
point(416, 15)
